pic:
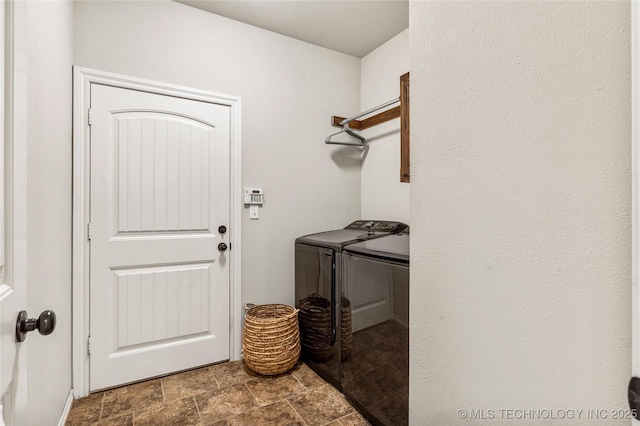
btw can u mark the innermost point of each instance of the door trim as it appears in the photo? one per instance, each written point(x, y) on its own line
point(635, 160)
point(82, 80)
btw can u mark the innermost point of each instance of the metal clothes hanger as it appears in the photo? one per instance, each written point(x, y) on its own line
point(351, 133)
point(346, 129)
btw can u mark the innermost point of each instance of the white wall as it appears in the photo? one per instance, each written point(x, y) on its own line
point(521, 204)
point(289, 91)
point(383, 195)
point(50, 51)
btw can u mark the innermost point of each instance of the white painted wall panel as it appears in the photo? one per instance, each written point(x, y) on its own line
point(383, 195)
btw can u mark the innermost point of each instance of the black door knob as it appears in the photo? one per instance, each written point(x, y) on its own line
point(633, 393)
point(222, 229)
point(45, 324)
point(222, 247)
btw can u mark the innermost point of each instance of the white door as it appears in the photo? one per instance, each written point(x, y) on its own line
point(159, 291)
point(13, 204)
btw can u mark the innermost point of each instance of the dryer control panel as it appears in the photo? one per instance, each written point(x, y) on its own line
point(377, 226)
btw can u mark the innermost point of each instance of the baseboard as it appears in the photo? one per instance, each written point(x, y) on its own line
point(67, 409)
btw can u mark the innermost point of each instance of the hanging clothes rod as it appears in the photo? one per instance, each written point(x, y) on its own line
point(352, 123)
point(369, 111)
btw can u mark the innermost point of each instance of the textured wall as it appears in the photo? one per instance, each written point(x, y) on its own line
point(521, 204)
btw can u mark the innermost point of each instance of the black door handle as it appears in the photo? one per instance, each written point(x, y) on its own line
point(633, 393)
point(45, 324)
point(222, 247)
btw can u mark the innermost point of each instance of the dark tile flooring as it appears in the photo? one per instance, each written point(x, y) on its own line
point(221, 395)
point(377, 372)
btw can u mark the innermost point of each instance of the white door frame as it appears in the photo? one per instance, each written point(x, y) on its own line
point(13, 130)
point(635, 221)
point(82, 80)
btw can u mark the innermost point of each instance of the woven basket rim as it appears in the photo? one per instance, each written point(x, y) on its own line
point(278, 313)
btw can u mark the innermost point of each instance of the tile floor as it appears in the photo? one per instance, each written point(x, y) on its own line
point(221, 395)
point(377, 373)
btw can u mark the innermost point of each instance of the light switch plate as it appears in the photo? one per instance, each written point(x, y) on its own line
point(253, 212)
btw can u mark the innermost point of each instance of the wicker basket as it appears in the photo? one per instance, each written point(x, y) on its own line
point(315, 328)
point(345, 327)
point(271, 339)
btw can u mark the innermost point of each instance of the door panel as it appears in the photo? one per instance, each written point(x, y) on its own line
point(173, 311)
point(159, 190)
point(163, 169)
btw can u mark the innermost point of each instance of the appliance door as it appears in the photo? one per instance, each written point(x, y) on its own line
point(316, 294)
point(376, 375)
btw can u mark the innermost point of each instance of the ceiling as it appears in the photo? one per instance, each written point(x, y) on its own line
point(354, 27)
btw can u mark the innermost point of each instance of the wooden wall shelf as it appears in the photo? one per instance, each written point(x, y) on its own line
point(404, 129)
point(401, 111)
